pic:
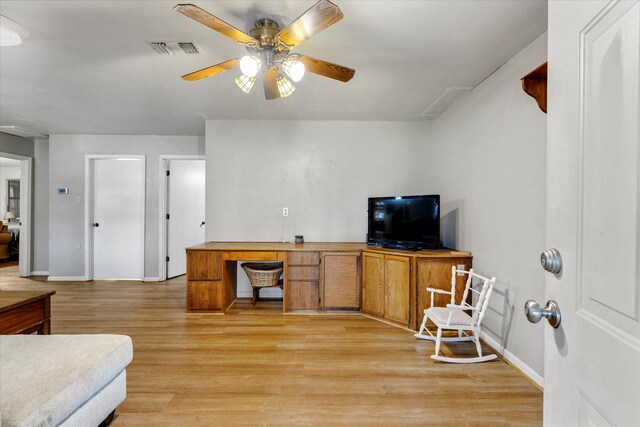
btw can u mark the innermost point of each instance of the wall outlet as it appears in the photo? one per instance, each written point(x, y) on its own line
point(77, 199)
point(78, 246)
point(460, 267)
point(285, 211)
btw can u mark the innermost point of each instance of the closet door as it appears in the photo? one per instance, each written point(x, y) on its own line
point(118, 218)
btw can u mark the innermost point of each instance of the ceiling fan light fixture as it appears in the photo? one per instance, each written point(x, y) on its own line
point(294, 69)
point(245, 83)
point(250, 65)
point(285, 87)
point(11, 33)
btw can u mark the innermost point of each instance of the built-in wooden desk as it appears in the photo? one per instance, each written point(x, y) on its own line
point(328, 276)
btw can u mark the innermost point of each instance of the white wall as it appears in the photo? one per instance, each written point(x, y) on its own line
point(486, 157)
point(66, 169)
point(40, 214)
point(322, 171)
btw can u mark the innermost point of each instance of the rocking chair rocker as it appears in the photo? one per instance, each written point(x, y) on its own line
point(453, 317)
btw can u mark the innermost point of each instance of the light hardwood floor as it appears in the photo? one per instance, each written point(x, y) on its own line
point(259, 367)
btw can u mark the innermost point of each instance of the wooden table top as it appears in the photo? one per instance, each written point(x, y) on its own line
point(12, 299)
point(280, 246)
point(322, 247)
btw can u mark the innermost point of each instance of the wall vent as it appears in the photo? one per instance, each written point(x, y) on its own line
point(174, 48)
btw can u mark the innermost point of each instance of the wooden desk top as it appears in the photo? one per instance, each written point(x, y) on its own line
point(12, 299)
point(321, 247)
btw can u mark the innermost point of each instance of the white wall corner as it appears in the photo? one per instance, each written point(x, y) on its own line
point(39, 273)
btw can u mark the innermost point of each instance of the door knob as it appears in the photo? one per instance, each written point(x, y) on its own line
point(551, 260)
point(95, 224)
point(551, 311)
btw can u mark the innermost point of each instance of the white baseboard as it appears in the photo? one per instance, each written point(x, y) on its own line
point(151, 279)
point(524, 368)
point(68, 279)
point(39, 273)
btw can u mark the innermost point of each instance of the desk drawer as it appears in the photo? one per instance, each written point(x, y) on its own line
point(204, 265)
point(251, 256)
point(21, 318)
point(205, 295)
point(311, 272)
point(303, 258)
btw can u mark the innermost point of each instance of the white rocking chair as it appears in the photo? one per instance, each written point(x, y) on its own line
point(453, 317)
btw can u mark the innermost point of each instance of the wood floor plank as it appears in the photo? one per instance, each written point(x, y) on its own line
point(260, 367)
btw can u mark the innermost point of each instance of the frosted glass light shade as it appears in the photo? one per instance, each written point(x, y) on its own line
point(294, 69)
point(11, 33)
point(285, 87)
point(245, 83)
point(249, 66)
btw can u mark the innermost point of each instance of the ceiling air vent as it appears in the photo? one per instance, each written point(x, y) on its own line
point(174, 48)
point(189, 48)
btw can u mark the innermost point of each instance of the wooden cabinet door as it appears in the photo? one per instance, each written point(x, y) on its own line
point(301, 295)
point(301, 290)
point(396, 279)
point(436, 273)
point(373, 283)
point(340, 280)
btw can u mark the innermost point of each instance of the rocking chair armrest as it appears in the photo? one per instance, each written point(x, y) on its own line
point(438, 291)
point(461, 307)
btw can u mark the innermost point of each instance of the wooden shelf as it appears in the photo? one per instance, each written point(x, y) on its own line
point(535, 84)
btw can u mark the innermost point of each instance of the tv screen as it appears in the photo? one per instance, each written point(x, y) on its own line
point(409, 222)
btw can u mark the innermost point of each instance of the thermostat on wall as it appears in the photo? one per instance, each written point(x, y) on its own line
point(63, 190)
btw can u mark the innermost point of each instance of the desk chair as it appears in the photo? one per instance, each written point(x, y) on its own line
point(263, 275)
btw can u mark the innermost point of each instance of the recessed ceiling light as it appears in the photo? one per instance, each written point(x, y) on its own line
point(11, 33)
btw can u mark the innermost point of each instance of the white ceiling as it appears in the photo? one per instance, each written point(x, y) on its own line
point(87, 69)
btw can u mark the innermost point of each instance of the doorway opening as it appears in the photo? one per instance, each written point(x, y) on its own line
point(15, 212)
point(181, 211)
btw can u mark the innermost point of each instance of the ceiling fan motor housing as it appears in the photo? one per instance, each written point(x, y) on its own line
point(265, 31)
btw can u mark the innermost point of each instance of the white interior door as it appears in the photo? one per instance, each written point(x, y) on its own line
point(592, 361)
point(118, 218)
point(186, 212)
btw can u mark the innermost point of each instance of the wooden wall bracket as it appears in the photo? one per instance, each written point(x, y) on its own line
point(535, 84)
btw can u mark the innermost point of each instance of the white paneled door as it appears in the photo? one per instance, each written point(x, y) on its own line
point(118, 218)
point(185, 226)
point(592, 361)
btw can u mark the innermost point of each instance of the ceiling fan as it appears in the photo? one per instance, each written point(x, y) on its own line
point(269, 50)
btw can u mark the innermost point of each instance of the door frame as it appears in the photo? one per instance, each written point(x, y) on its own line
point(26, 195)
point(89, 162)
point(163, 200)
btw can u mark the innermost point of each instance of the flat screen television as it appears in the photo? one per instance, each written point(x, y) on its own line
point(408, 222)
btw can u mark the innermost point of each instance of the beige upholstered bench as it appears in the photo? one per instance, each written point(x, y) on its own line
point(66, 380)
